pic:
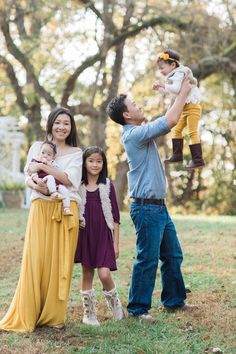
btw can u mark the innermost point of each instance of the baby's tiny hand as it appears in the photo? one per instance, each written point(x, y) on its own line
point(156, 86)
point(45, 161)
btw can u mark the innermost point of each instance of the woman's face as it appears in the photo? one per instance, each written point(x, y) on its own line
point(61, 127)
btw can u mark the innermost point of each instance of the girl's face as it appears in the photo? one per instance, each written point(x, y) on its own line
point(165, 68)
point(94, 164)
point(61, 127)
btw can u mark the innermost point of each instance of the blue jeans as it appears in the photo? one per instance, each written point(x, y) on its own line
point(156, 239)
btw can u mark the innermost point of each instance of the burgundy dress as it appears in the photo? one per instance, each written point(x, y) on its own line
point(42, 174)
point(95, 243)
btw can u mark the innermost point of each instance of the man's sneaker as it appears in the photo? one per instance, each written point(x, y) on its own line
point(188, 308)
point(185, 307)
point(148, 318)
point(144, 317)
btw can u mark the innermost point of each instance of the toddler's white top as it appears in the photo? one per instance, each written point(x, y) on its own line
point(174, 80)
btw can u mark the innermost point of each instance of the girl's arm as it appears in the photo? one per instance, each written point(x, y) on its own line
point(116, 239)
point(116, 218)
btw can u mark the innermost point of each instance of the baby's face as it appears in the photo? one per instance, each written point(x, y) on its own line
point(165, 67)
point(47, 153)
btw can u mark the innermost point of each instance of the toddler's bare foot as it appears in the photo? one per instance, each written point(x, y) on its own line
point(57, 196)
point(67, 211)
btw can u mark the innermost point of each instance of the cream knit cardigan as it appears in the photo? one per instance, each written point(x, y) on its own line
point(104, 192)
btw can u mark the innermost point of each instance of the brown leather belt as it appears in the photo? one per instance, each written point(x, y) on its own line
point(148, 201)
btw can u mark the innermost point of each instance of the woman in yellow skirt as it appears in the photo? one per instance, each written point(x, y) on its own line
point(50, 241)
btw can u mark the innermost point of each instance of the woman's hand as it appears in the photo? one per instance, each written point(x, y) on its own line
point(34, 167)
point(41, 188)
point(38, 181)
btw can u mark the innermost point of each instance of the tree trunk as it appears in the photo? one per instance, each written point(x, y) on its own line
point(34, 128)
point(188, 192)
point(97, 128)
point(121, 182)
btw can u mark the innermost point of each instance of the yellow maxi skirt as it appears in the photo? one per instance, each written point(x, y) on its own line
point(41, 295)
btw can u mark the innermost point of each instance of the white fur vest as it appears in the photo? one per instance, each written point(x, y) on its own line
point(104, 193)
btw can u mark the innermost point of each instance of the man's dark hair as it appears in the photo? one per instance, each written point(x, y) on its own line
point(116, 108)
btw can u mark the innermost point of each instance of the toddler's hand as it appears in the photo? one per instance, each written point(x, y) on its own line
point(41, 188)
point(45, 161)
point(156, 86)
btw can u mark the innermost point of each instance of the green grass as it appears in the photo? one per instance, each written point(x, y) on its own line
point(209, 270)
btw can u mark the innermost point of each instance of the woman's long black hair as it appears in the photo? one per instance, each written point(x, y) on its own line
point(103, 174)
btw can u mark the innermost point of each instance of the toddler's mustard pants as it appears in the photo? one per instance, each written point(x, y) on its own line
point(189, 118)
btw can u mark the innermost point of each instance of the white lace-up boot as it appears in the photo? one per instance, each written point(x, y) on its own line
point(114, 304)
point(89, 305)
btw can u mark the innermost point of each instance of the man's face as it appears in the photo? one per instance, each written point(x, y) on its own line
point(134, 114)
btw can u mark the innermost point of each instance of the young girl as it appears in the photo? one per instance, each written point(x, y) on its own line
point(174, 72)
point(98, 244)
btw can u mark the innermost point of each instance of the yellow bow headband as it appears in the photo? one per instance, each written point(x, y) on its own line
point(165, 56)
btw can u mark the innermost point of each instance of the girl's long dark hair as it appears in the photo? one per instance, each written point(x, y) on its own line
point(103, 174)
point(72, 139)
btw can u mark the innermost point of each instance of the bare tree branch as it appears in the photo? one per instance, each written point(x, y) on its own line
point(14, 50)
point(84, 109)
point(119, 57)
point(210, 65)
point(20, 20)
point(231, 16)
point(70, 84)
point(114, 40)
point(15, 84)
point(107, 16)
point(90, 4)
point(129, 13)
